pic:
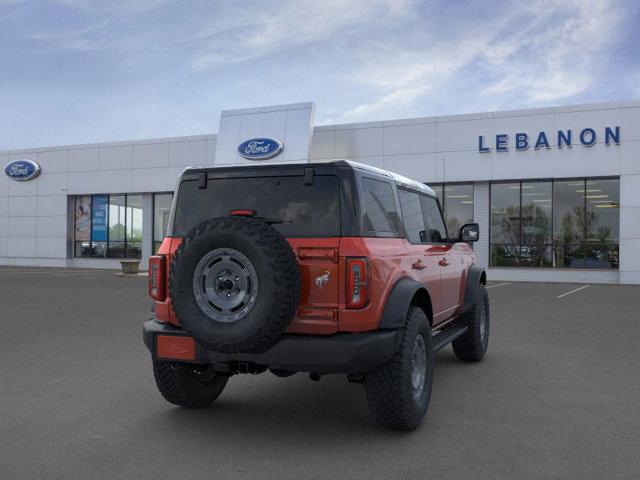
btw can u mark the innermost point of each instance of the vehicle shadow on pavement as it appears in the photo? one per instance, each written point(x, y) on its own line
point(291, 406)
point(303, 406)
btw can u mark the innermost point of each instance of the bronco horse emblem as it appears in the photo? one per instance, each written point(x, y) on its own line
point(321, 280)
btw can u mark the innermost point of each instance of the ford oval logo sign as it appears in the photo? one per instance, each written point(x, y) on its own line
point(260, 148)
point(22, 170)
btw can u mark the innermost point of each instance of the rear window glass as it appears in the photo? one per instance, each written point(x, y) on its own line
point(303, 210)
point(380, 214)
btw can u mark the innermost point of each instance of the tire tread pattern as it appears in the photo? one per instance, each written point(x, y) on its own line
point(286, 276)
point(178, 384)
point(388, 388)
point(469, 347)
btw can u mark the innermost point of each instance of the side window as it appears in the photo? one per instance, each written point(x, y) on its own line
point(414, 222)
point(380, 215)
point(436, 231)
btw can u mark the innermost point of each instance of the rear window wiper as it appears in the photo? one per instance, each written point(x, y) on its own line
point(271, 221)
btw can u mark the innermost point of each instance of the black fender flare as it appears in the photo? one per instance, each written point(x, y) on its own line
point(475, 277)
point(397, 306)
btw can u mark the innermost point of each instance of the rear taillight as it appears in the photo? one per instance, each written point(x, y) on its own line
point(156, 277)
point(357, 282)
point(242, 213)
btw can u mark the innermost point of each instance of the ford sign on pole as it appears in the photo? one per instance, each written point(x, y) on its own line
point(260, 148)
point(22, 170)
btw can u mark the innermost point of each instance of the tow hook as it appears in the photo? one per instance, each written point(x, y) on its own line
point(207, 374)
point(221, 367)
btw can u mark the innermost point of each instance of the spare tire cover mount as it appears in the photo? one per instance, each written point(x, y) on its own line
point(225, 285)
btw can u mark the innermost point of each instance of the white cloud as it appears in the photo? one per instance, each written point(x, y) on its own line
point(555, 63)
point(406, 76)
point(159, 68)
point(120, 6)
point(543, 52)
point(255, 33)
point(397, 98)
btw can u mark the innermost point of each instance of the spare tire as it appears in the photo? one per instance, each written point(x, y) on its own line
point(234, 284)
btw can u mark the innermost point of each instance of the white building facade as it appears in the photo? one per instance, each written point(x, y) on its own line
point(556, 191)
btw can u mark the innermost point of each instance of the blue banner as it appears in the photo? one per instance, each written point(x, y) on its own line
point(99, 207)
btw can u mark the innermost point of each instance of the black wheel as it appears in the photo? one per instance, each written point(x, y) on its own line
point(472, 346)
point(187, 385)
point(398, 392)
point(234, 284)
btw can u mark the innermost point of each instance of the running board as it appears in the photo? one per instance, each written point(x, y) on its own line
point(447, 335)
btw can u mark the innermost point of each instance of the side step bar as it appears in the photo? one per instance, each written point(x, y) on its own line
point(447, 335)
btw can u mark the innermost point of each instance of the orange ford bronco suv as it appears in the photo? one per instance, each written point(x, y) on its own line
point(322, 268)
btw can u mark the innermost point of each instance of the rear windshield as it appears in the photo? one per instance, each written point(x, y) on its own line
point(298, 210)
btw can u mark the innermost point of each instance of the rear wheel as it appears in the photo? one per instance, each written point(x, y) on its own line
point(187, 385)
point(472, 346)
point(398, 392)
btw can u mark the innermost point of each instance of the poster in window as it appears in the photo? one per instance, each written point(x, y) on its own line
point(83, 218)
point(99, 214)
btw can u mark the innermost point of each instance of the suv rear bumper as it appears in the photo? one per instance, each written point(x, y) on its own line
point(339, 353)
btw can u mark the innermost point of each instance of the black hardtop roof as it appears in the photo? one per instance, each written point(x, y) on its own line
point(298, 169)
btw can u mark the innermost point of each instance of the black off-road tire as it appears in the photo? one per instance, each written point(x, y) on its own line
point(472, 346)
point(278, 284)
point(389, 389)
point(180, 384)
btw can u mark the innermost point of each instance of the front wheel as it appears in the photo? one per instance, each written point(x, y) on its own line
point(472, 346)
point(187, 385)
point(398, 392)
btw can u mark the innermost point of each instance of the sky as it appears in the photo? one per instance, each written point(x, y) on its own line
point(80, 71)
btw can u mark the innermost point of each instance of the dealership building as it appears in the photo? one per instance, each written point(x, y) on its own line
point(556, 191)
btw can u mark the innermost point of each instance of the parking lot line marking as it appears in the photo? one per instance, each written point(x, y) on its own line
point(573, 291)
point(33, 272)
point(71, 274)
point(498, 285)
point(57, 273)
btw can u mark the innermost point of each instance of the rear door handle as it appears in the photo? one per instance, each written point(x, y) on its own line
point(443, 262)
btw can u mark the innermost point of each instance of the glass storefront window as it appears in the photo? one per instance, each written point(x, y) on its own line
point(108, 226)
point(568, 211)
point(82, 226)
point(117, 219)
point(568, 223)
point(161, 210)
point(603, 223)
point(505, 224)
point(564, 224)
point(99, 225)
point(457, 204)
point(134, 226)
point(536, 200)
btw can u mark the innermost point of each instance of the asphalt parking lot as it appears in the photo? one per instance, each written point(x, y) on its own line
point(558, 396)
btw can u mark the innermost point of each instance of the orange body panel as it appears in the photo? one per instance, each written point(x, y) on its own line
point(322, 309)
point(175, 348)
point(320, 273)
